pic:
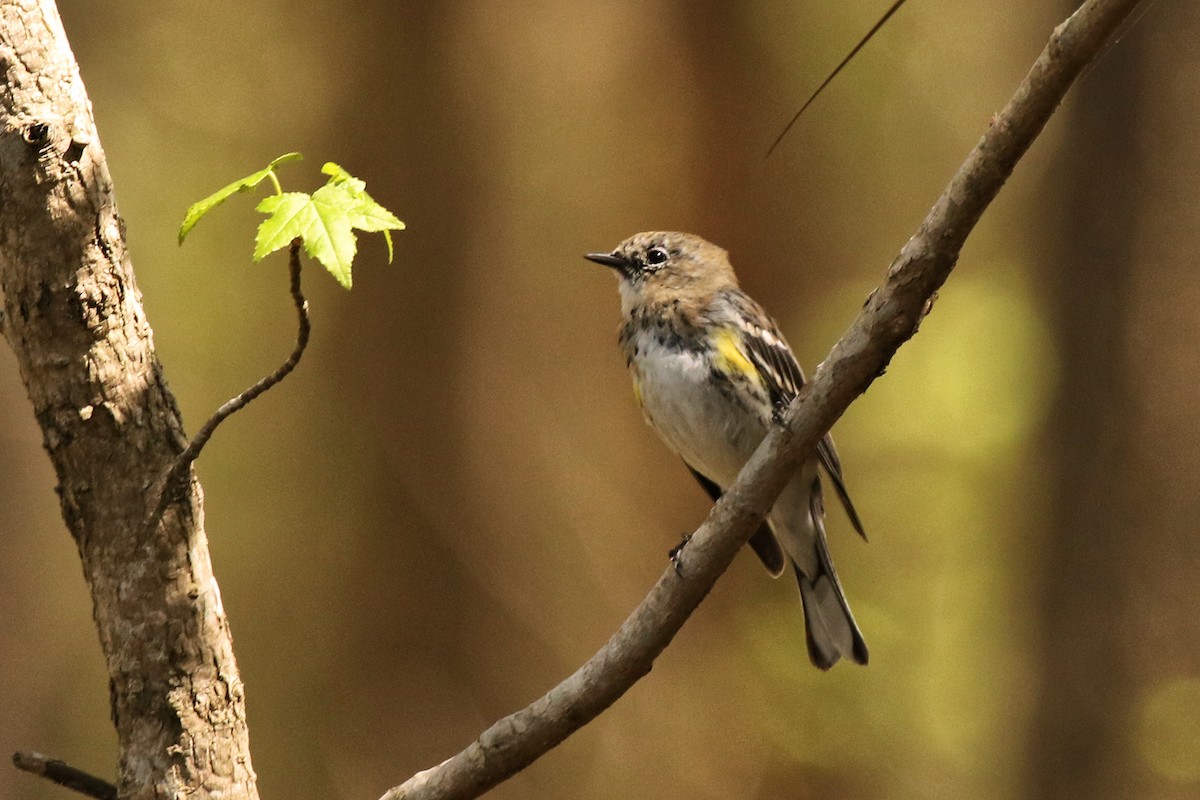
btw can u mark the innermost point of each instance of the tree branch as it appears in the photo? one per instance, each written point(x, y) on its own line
point(74, 318)
point(65, 775)
point(889, 318)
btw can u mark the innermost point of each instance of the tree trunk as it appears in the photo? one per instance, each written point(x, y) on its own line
point(73, 315)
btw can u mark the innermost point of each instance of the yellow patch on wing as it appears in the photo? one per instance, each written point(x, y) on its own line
point(637, 390)
point(730, 357)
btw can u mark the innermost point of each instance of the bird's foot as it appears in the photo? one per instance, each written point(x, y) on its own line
point(778, 413)
point(676, 554)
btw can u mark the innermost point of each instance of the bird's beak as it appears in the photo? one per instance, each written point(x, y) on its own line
point(609, 260)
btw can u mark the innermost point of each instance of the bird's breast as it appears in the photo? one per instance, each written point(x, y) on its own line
point(694, 408)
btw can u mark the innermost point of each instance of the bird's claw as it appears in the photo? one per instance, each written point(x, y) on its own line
point(778, 413)
point(676, 554)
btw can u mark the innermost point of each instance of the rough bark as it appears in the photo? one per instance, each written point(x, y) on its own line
point(74, 318)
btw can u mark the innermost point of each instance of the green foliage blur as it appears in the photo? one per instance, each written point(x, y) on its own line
point(454, 501)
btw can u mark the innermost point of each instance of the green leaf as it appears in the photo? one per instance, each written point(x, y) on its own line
point(325, 231)
point(198, 210)
point(365, 214)
point(325, 221)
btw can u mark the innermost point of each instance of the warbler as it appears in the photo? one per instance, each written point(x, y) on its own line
point(710, 371)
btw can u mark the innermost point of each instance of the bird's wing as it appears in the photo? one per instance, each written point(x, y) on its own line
point(828, 454)
point(774, 361)
point(763, 542)
point(783, 378)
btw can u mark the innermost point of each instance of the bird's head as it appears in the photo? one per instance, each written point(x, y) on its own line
point(664, 266)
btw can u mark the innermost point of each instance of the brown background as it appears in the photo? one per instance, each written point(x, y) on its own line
point(454, 500)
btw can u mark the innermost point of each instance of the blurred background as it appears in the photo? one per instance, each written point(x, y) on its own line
point(454, 501)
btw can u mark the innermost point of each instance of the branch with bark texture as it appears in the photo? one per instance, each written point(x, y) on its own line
point(65, 775)
point(73, 315)
point(888, 319)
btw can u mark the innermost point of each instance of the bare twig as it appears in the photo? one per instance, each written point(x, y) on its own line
point(175, 476)
point(65, 775)
point(861, 44)
point(888, 319)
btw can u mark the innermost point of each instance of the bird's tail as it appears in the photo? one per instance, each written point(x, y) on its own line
point(828, 624)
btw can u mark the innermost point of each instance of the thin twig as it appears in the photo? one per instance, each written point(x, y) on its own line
point(65, 775)
point(888, 319)
point(861, 43)
point(174, 477)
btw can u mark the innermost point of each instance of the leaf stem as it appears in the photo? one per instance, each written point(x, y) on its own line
point(174, 477)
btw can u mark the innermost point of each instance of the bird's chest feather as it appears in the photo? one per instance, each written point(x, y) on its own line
point(696, 411)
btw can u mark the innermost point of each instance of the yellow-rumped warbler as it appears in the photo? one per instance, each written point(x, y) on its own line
point(710, 369)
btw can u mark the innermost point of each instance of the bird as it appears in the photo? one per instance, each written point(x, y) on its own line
point(711, 371)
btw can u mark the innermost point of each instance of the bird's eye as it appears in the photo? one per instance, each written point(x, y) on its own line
point(656, 256)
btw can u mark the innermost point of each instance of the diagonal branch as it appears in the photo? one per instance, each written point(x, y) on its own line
point(889, 318)
point(65, 775)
